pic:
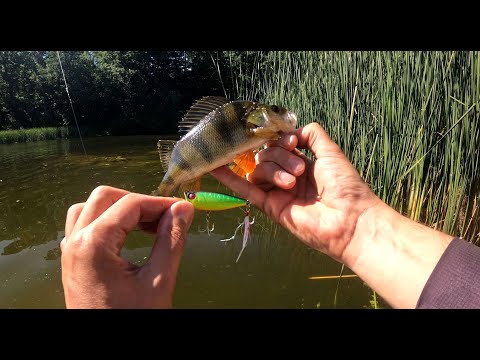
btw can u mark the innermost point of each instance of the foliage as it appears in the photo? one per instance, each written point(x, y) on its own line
point(113, 92)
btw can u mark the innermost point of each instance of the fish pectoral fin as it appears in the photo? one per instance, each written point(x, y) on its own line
point(193, 185)
point(244, 164)
point(265, 133)
point(237, 170)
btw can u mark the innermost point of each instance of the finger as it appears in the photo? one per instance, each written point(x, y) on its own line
point(151, 227)
point(284, 158)
point(62, 244)
point(313, 137)
point(170, 241)
point(287, 141)
point(117, 221)
point(99, 200)
point(242, 187)
point(72, 216)
point(271, 173)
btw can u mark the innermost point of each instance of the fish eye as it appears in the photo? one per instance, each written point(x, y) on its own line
point(191, 195)
point(275, 108)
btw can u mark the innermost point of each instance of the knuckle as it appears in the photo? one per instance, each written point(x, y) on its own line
point(314, 126)
point(74, 209)
point(101, 191)
point(267, 154)
point(83, 240)
point(132, 197)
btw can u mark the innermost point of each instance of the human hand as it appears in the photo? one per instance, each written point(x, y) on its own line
point(327, 205)
point(94, 275)
point(320, 202)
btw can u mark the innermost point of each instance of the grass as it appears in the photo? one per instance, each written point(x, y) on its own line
point(408, 121)
point(35, 134)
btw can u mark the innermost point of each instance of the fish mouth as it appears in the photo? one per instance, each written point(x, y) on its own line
point(289, 122)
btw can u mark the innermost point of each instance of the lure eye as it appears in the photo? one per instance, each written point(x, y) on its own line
point(191, 195)
point(275, 108)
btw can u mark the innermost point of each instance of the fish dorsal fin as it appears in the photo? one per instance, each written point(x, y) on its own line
point(165, 148)
point(199, 110)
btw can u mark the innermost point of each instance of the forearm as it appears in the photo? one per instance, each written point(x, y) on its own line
point(394, 255)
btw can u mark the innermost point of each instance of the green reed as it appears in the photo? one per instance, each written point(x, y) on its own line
point(35, 134)
point(408, 121)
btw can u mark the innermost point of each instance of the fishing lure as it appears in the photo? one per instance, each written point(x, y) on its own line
point(210, 201)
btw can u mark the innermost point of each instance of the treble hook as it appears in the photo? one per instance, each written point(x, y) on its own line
point(246, 230)
point(207, 229)
point(233, 236)
point(247, 213)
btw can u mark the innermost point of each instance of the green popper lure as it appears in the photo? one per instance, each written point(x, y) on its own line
point(209, 201)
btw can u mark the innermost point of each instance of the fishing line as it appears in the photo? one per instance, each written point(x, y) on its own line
point(217, 67)
point(71, 103)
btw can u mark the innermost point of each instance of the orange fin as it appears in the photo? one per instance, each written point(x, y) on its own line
point(237, 170)
point(244, 164)
point(193, 185)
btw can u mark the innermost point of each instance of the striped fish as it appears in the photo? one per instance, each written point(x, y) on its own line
point(219, 132)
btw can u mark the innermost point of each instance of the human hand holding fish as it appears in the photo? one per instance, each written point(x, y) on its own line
point(312, 199)
point(326, 204)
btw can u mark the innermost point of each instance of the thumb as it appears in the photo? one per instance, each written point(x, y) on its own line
point(314, 137)
point(170, 241)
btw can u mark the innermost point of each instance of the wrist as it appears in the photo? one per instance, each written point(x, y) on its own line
point(369, 224)
point(393, 254)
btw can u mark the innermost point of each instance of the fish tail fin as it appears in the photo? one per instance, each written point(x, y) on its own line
point(165, 148)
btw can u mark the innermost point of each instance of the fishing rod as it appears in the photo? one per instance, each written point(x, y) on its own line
point(71, 103)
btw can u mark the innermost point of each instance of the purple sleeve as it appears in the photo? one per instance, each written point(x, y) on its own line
point(455, 280)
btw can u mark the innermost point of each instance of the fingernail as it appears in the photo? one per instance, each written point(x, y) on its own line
point(291, 139)
point(295, 164)
point(286, 178)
